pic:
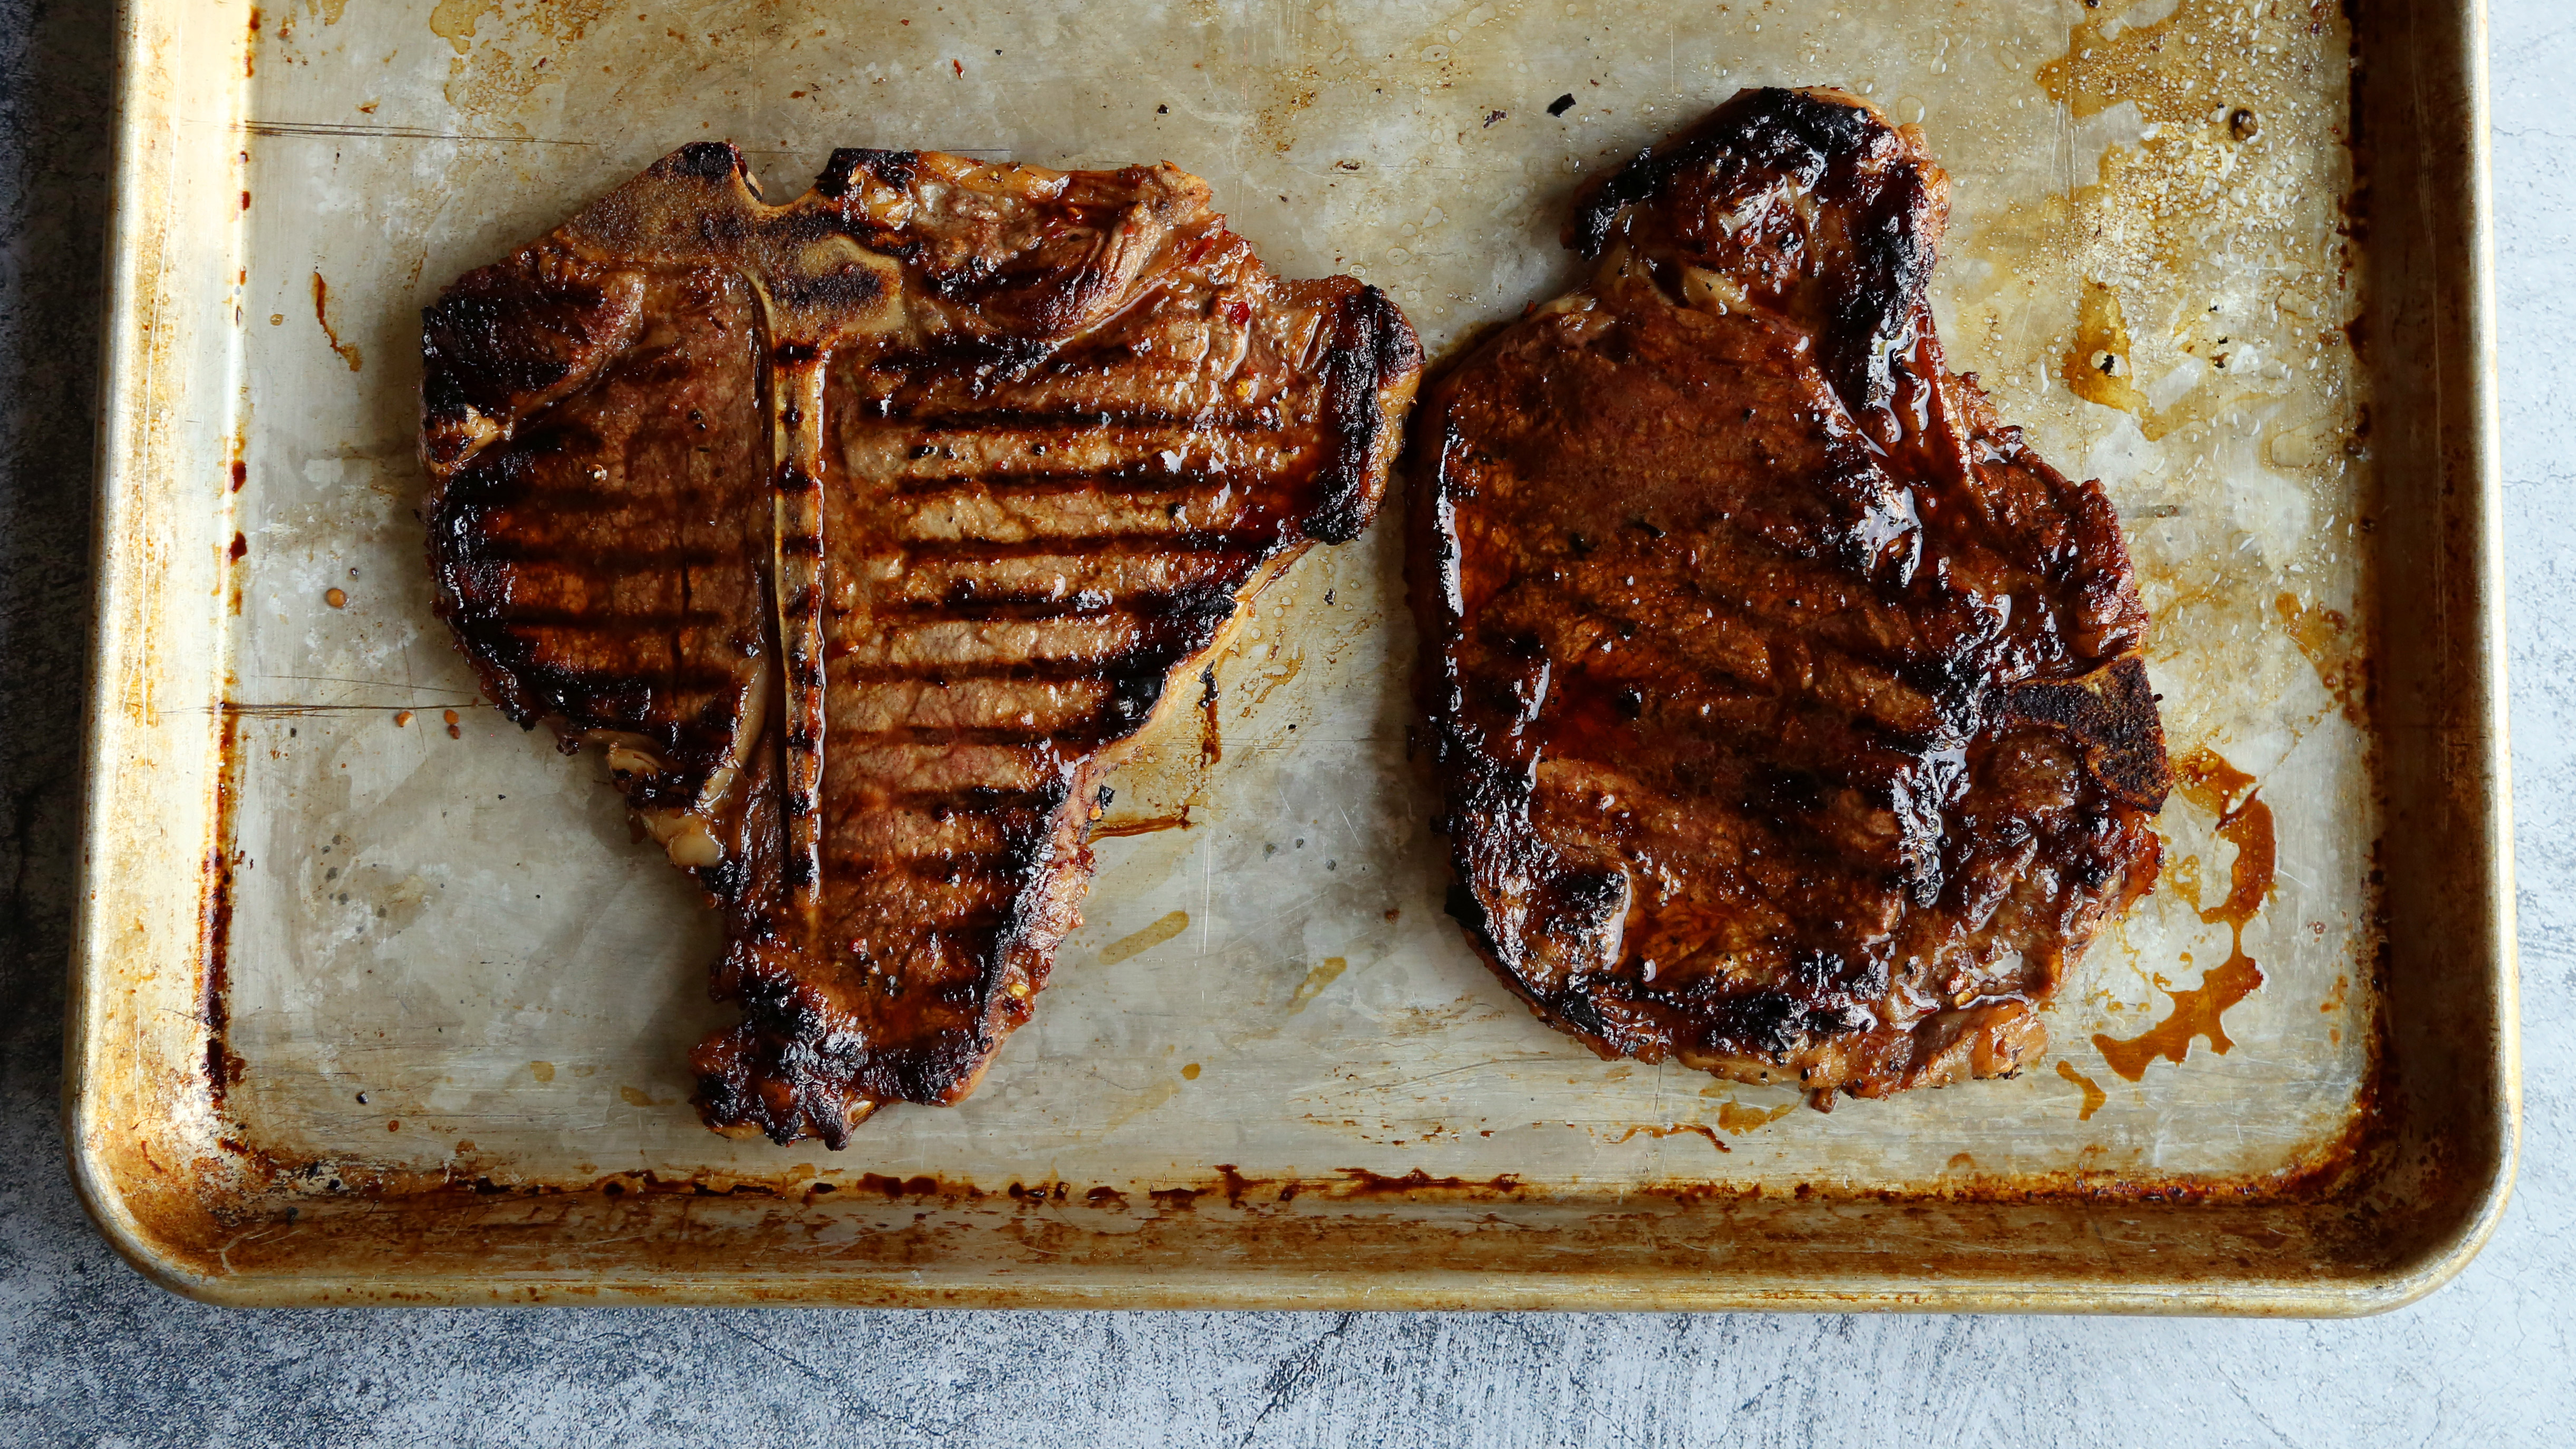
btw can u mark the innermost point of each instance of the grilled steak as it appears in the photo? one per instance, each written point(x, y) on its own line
point(1787, 708)
point(861, 531)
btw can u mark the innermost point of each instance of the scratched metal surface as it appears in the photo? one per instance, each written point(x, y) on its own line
point(447, 953)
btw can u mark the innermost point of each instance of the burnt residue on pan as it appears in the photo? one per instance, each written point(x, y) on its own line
point(223, 1068)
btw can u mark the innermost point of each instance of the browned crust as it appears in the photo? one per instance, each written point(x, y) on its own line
point(1891, 926)
point(935, 309)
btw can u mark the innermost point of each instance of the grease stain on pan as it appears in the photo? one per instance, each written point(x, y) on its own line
point(1145, 940)
point(2094, 1096)
point(348, 351)
point(1326, 972)
point(1699, 1129)
point(2208, 781)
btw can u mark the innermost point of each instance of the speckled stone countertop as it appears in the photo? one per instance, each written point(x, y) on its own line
point(91, 1354)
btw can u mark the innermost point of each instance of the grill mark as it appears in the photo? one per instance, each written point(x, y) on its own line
point(1135, 480)
point(1540, 606)
point(612, 622)
point(1076, 670)
point(1077, 732)
point(538, 501)
point(995, 420)
point(999, 608)
point(1828, 662)
point(1846, 613)
point(603, 560)
point(1150, 547)
point(1133, 596)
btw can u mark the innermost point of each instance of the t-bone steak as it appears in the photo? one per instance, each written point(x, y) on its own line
point(1787, 708)
point(861, 532)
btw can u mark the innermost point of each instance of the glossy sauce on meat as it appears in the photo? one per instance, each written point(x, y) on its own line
point(1788, 710)
point(861, 532)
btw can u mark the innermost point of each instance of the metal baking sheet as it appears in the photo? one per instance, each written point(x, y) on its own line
point(378, 1000)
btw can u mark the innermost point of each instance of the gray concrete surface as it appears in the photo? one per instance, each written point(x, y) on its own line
point(91, 1354)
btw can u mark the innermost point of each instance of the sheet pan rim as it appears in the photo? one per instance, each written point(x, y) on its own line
point(108, 1197)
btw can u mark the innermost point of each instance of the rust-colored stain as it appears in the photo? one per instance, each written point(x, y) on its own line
point(2322, 634)
point(2244, 821)
point(1738, 1118)
point(240, 547)
point(2094, 1096)
point(542, 1071)
point(1190, 1072)
point(1146, 939)
point(223, 1068)
point(1143, 827)
point(1698, 1129)
point(1359, 1181)
point(322, 313)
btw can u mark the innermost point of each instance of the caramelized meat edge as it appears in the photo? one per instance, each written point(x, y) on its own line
point(1787, 709)
point(862, 533)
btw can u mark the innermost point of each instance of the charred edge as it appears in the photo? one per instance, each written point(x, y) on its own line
point(215, 927)
point(1469, 912)
point(842, 174)
point(1185, 623)
point(783, 1041)
point(1373, 349)
point(1128, 480)
point(531, 690)
point(1002, 358)
point(1229, 544)
point(498, 335)
point(1770, 127)
point(2111, 715)
point(1875, 322)
point(1029, 857)
point(703, 161)
point(1793, 133)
